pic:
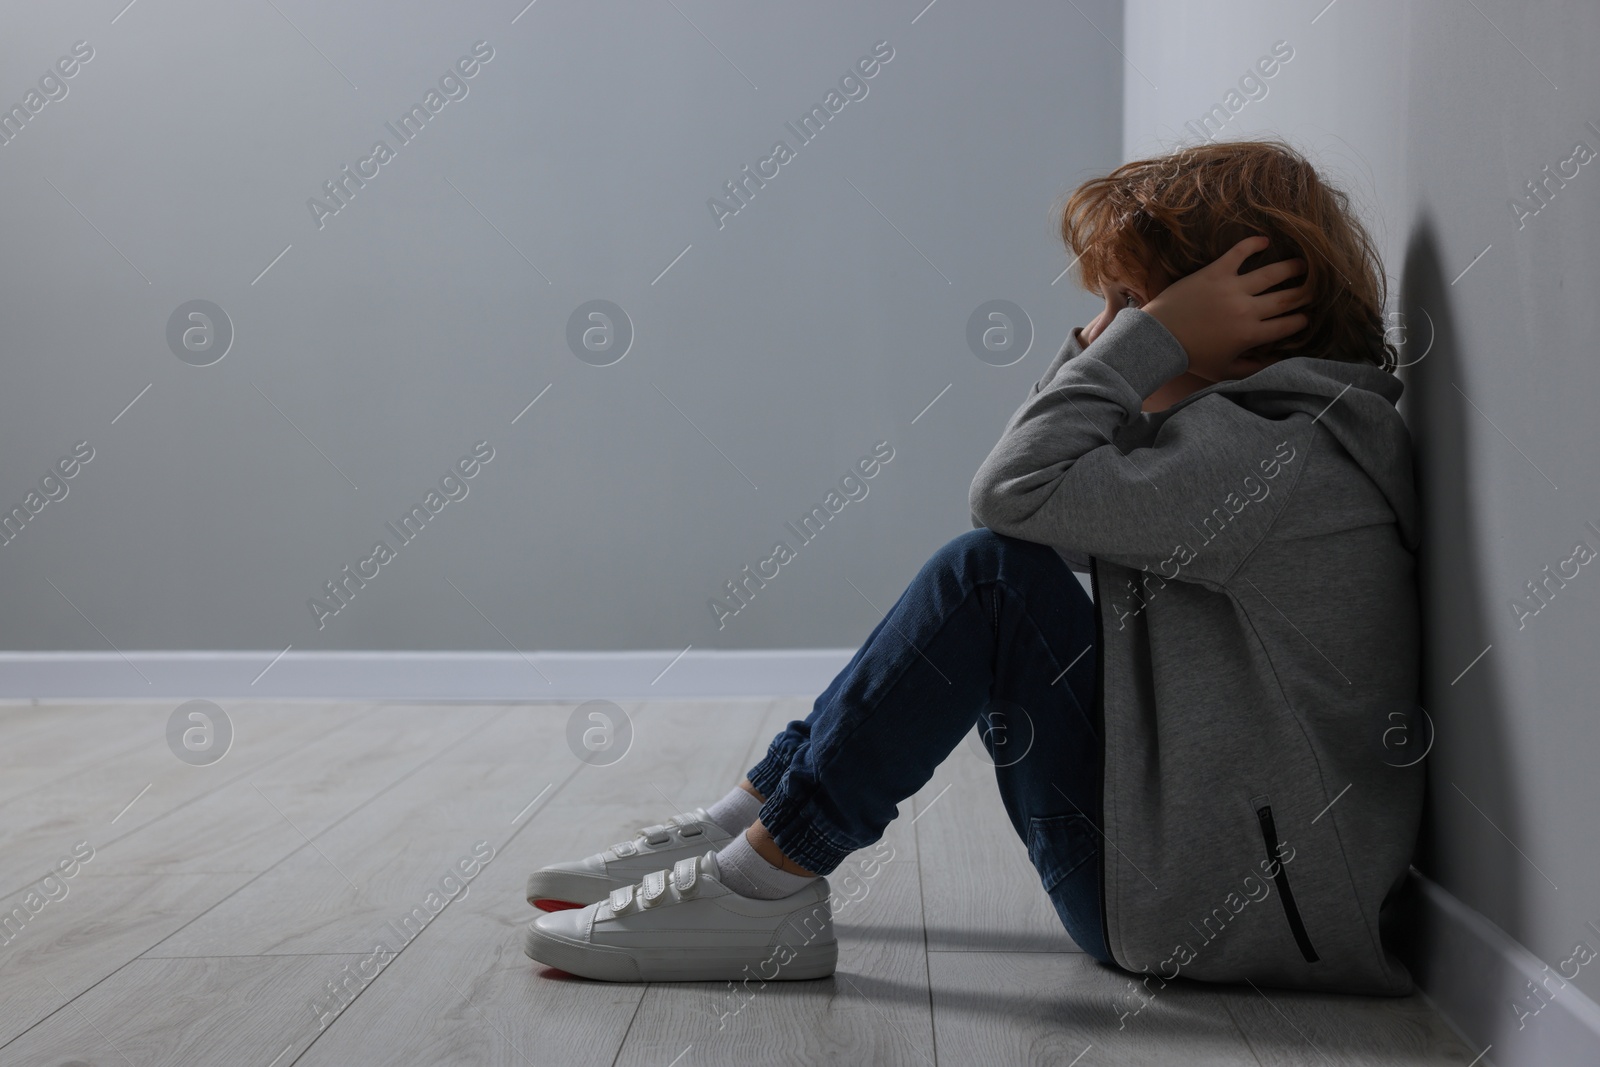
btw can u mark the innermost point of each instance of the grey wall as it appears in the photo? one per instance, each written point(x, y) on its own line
point(428, 312)
point(1436, 116)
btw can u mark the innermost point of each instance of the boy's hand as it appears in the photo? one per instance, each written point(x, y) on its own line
point(1216, 313)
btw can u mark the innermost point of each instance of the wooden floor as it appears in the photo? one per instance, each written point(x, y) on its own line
point(222, 901)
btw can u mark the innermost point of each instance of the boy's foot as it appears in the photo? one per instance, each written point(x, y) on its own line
point(684, 925)
point(586, 881)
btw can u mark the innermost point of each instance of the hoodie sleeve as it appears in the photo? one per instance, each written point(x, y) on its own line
point(1192, 503)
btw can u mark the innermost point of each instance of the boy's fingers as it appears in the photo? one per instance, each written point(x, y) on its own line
point(1264, 278)
point(1234, 257)
point(1284, 299)
point(1277, 329)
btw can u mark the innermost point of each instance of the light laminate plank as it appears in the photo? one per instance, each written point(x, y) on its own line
point(192, 1011)
point(1048, 1007)
point(106, 804)
point(462, 991)
point(1287, 1028)
point(33, 733)
point(101, 924)
point(43, 744)
point(125, 902)
point(975, 867)
point(394, 851)
point(260, 817)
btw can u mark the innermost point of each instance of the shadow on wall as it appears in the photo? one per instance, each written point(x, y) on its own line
point(1469, 753)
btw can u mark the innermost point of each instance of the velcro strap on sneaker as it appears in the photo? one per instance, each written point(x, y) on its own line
point(685, 873)
point(652, 888)
point(620, 898)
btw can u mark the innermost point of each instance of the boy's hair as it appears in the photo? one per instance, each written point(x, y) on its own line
point(1184, 210)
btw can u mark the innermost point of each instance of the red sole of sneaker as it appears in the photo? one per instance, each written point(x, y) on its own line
point(544, 904)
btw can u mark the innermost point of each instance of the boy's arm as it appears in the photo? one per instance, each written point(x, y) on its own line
point(1192, 504)
point(1069, 350)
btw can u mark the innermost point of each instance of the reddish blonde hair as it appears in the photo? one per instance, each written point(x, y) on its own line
point(1184, 210)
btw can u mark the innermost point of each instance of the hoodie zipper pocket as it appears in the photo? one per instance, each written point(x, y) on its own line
point(1100, 727)
point(1269, 837)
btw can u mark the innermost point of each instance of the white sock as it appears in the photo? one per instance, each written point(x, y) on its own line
point(742, 869)
point(735, 812)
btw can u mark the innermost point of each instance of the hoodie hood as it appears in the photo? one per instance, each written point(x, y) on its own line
point(1356, 403)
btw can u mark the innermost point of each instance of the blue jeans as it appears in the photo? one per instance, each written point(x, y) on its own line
point(994, 632)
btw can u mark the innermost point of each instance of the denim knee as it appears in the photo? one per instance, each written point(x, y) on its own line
point(981, 555)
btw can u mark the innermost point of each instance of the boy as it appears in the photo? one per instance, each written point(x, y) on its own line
point(1221, 451)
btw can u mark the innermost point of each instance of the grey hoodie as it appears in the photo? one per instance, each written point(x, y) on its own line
point(1252, 553)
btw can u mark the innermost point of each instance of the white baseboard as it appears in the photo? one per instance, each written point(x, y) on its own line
point(1476, 974)
point(483, 676)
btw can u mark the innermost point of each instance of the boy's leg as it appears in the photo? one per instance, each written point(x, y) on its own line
point(763, 777)
point(572, 884)
point(991, 627)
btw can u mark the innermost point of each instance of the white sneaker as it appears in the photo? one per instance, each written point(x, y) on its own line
point(684, 925)
point(586, 881)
